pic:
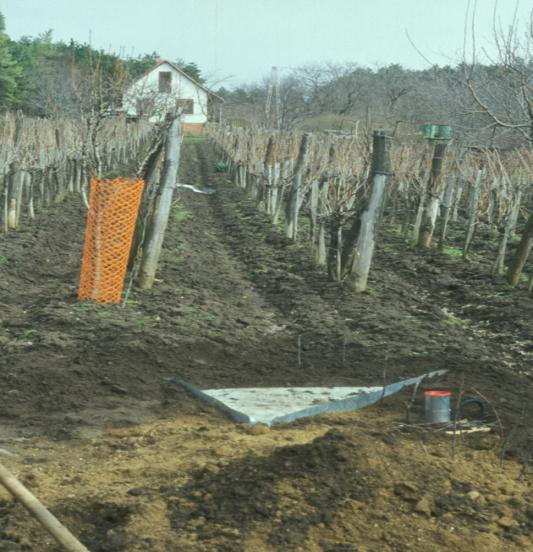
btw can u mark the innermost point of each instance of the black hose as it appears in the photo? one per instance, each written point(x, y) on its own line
point(481, 404)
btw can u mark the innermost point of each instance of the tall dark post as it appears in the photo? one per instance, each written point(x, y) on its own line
point(361, 239)
point(429, 214)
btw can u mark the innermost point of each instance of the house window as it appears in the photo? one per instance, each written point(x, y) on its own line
point(165, 81)
point(185, 106)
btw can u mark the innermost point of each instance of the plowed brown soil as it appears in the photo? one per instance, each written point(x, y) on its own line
point(129, 461)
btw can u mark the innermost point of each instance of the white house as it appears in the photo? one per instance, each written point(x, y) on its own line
point(166, 87)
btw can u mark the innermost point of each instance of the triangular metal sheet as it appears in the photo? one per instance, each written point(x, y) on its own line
point(271, 405)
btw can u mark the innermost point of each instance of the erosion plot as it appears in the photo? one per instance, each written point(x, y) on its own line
point(129, 462)
point(276, 405)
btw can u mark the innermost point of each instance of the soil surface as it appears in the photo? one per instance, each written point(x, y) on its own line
point(90, 422)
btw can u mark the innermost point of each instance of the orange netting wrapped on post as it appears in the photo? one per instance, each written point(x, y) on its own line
point(113, 207)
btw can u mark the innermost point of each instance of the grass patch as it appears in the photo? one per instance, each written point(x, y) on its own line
point(452, 251)
point(192, 312)
point(83, 306)
point(183, 247)
point(3, 260)
point(104, 313)
point(27, 334)
point(455, 322)
point(221, 167)
point(194, 139)
point(375, 289)
point(180, 213)
point(416, 319)
point(396, 229)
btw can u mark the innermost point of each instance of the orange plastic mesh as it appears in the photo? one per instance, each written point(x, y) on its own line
point(113, 207)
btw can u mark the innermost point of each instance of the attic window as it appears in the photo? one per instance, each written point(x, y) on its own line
point(165, 81)
point(185, 106)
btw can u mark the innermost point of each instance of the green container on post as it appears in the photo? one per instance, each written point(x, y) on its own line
point(429, 131)
point(445, 132)
point(436, 132)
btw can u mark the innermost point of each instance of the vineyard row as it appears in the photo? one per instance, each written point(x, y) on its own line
point(43, 160)
point(429, 185)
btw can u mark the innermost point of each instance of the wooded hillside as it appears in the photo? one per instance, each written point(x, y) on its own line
point(44, 77)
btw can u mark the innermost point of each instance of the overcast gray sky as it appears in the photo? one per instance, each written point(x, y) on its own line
point(243, 39)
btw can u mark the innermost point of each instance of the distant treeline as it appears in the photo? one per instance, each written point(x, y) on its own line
point(485, 104)
point(41, 76)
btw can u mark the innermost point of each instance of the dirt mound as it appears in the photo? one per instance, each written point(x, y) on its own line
point(351, 487)
point(294, 489)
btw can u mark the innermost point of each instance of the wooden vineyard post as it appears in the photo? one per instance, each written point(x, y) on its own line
point(5, 201)
point(447, 203)
point(23, 181)
point(313, 210)
point(269, 171)
point(294, 204)
point(321, 251)
point(158, 227)
point(522, 253)
point(431, 207)
point(419, 212)
point(236, 181)
point(28, 187)
point(284, 172)
point(317, 211)
point(472, 212)
point(274, 191)
point(457, 199)
point(362, 235)
point(242, 176)
point(510, 222)
point(77, 175)
point(295, 199)
point(14, 195)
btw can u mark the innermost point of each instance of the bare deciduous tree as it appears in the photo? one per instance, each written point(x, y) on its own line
point(502, 91)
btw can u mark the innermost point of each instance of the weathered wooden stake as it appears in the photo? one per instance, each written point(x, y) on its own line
point(321, 251)
point(14, 194)
point(294, 203)
point(510, 222)
point(62, 535)
point(522, 253)
point(431, 207)
point(447, 202)
point(419, 212)
point(295, 199)
point(5, 202)
point(368, 221)
point(158, 227)
point(313, 210)
point(472, 212)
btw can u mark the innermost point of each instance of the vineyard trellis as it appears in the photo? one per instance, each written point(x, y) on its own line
point(43, 160)
point(430, 185)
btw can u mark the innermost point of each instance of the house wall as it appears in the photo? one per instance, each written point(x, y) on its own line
point(181, 88)
point(193, 129)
